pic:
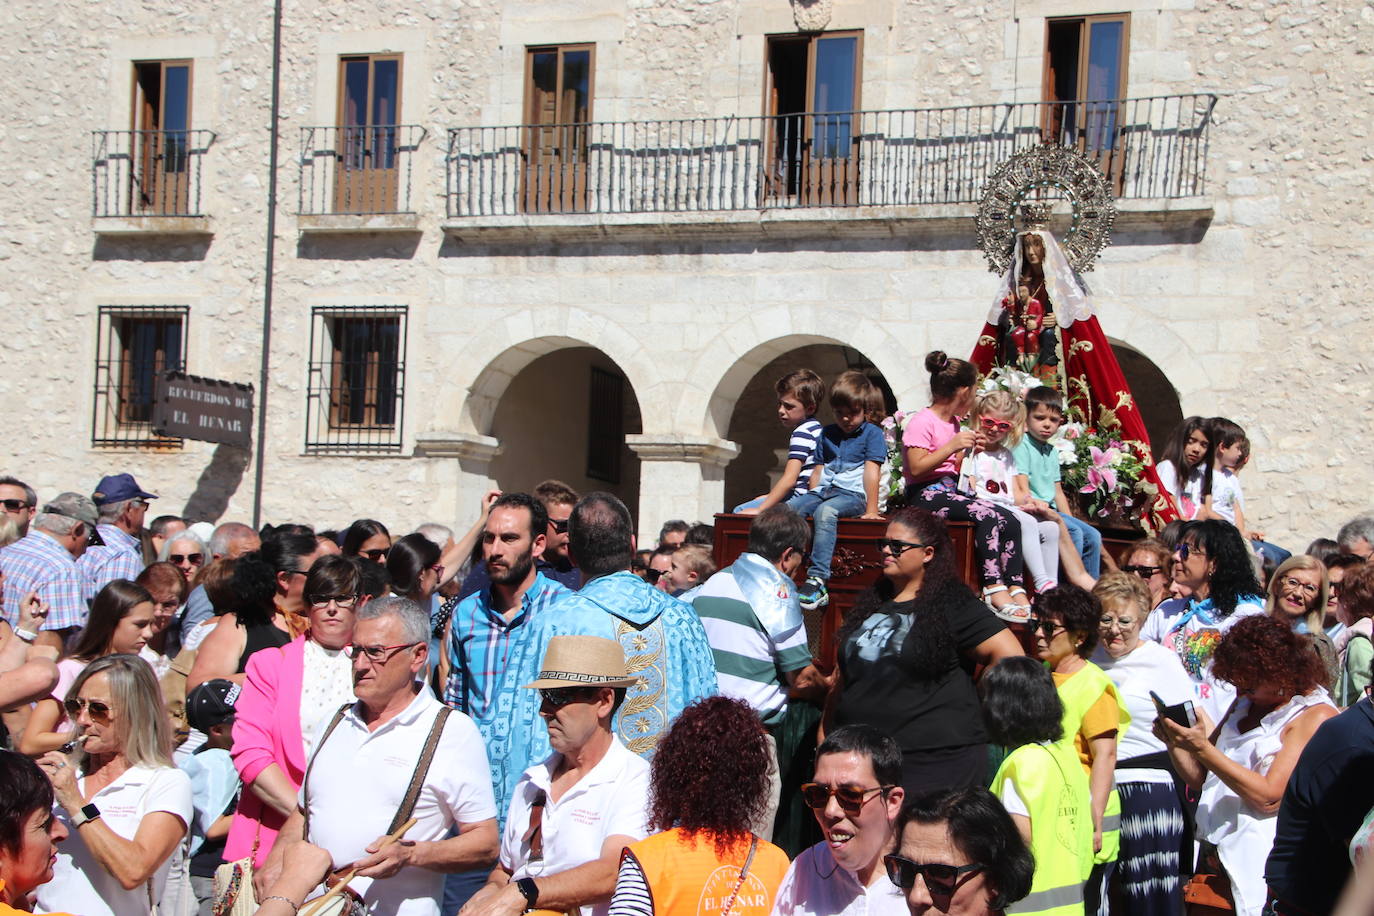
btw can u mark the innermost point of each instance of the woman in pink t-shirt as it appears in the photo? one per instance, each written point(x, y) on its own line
point(933, 446)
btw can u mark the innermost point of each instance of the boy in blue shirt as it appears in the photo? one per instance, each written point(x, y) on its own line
point(1038, 461)
point(799, 394)
point(851, 452)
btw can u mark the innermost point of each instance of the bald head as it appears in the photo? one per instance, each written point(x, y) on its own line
point(232, 540)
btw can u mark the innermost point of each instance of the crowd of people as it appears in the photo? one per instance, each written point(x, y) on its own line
point(533, 715)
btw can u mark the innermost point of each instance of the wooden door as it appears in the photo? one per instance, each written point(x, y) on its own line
point(160, 176)
point(558, 113)
point(367, 176)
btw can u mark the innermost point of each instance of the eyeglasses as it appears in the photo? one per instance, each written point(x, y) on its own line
point(139, 503)
point(992, 425)
point(376, 554)
point(14, 505)
point(850, 798)
point(378, 655)
point(653, 575)
point(1143, 572)
point(342, 602)
point(560, 525)
point(896, 547)
point(1334, 589)
point(295, 572)
point(941, 880)
point(1307, 588)
point(438, 569)
point(1185, 550)
point(99, 709)
point(195, 559)
point(1124, 623)
point(1046, 627)
point(558, 697)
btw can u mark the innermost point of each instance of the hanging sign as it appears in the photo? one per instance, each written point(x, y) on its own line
point(206, 409)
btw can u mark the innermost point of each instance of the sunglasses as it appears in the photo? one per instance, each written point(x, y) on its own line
point(99, 709)
point(14, 505)
point(850, 798)
point(896, 547)
point(1185, 550)
point(376, 554)
point(1143, 572)
point(991, 425)
point(652, 576)
point(342, 602)
point(379, 654)
point(1045, 627)
point(194, 559)
point(558, 697)
point(560, 525)
point(941, 880)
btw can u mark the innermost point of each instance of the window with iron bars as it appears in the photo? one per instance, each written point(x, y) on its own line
point(606, 425)
point(356, 391)
point(134, 345)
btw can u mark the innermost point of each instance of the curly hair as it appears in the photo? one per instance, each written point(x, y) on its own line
point(710, 773)
point(1260, 651)
point(1234, 576)
point(1079, 611)
point(930, 638)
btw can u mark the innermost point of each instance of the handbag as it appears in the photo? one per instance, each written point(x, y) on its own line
point(234, 894)
point(1208, 893)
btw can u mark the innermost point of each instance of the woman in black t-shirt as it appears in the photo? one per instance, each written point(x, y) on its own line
point(907, 652)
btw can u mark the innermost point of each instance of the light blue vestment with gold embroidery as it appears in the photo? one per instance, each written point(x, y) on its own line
point(665, 648)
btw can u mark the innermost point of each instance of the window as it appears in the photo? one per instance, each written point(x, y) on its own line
point(135, 345)
point(812, 97)
point(605, 425)
point(1085, 80)
point(357, 379)
point(558, 112)
point(161, 178)
point(367, 176)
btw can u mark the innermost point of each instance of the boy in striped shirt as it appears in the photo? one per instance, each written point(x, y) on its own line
point(799, 393)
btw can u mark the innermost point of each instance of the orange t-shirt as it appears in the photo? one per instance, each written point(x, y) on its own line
point(7, 910)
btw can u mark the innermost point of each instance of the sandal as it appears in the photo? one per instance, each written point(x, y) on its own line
point(1015, 611)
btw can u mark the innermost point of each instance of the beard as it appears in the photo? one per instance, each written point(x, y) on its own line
point(517, 571)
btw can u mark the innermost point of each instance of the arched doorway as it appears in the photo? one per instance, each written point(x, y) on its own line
point(1155, 396)
point(754, 425)
point(565, 415)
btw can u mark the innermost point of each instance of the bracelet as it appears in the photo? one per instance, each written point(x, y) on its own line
point(25, 635)
point(295, 907)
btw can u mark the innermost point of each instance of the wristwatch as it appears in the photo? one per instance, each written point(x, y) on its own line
point(86, 814)
point(527, 887)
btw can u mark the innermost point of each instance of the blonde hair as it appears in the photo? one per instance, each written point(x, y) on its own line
point(697, 559)
point(1117, 587)
point(1316, 617)
point(1001, 403)
point(142, 725)
point(9, 531)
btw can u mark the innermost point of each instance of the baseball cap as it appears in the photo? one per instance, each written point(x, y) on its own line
point(117, 488)
point(212, 703)
point(72, 505)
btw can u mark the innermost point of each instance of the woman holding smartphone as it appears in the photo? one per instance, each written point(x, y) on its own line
point(1152, 819)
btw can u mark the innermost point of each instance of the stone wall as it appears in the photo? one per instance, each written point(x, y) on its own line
point(1250, 310)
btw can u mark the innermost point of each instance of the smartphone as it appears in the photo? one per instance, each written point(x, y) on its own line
point(1182, 713)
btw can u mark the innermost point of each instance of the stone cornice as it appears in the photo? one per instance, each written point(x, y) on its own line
point(696, 449)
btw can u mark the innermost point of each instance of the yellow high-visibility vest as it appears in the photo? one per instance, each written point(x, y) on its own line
point(1078, 693)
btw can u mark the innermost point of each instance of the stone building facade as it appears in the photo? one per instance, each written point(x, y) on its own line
point(614, 327)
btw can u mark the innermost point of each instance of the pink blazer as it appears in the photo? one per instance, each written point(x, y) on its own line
point(267, 730)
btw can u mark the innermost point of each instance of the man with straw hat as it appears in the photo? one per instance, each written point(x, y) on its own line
point(572, 813)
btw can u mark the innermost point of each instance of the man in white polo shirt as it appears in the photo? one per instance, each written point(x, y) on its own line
point(572, 814)
point(363, 764)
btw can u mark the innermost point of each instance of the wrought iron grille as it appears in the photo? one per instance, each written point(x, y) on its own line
point(358, 169)
point(605, 425)
point(355, 396)
point(1149, 147)
point(148, 173)
point(134, 345)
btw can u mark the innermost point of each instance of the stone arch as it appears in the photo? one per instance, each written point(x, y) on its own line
point(746, 346)
point(516, 342)
point(1155, 395)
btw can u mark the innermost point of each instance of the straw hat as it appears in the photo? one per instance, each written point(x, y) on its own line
point(583, 661)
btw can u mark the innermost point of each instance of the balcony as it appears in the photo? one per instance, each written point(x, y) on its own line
point(358, 179)
point(149, 181)
point(858, 167)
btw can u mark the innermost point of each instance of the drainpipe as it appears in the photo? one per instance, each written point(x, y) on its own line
point(268, 266)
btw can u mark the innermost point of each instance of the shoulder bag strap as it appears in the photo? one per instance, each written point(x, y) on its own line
point(305, 783)
point(743, 873)
point(417, 780)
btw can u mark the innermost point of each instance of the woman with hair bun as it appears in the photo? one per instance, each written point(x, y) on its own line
point(934, 445)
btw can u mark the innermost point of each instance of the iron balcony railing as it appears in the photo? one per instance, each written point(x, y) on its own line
point(147, 173)
point(358, 169)
point(1149, 147)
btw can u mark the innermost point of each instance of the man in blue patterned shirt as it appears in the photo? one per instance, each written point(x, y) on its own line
point(44, 561)
point(122, 504)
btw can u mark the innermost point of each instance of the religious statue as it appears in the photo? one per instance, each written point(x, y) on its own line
point(1026, 326)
